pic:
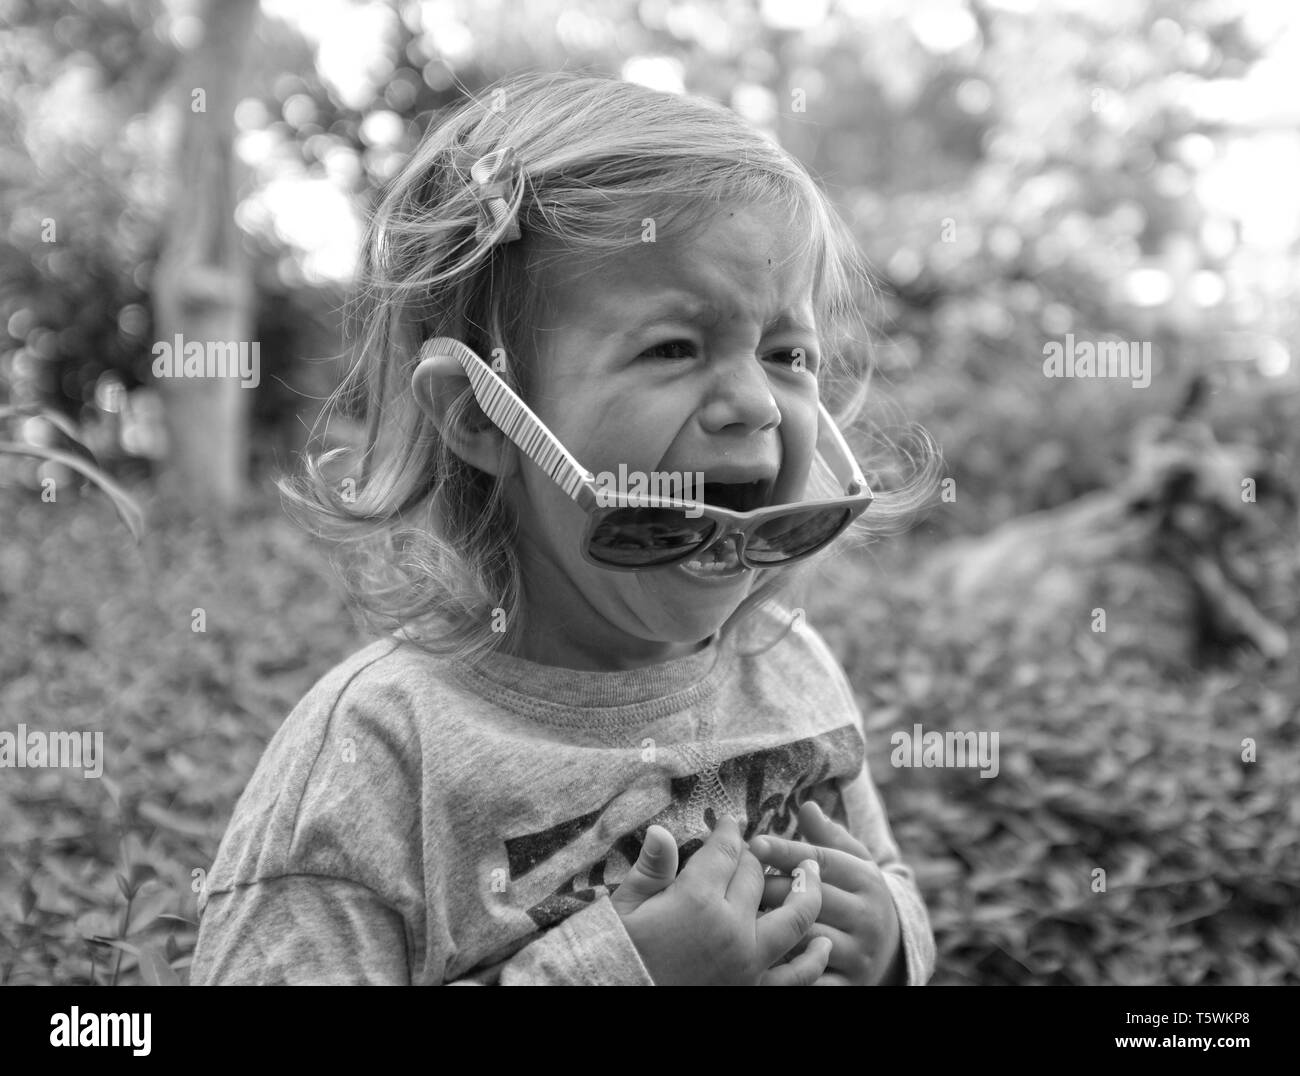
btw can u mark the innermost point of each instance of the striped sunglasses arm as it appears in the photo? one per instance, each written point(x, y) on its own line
point(515, 419)
point(835, 451)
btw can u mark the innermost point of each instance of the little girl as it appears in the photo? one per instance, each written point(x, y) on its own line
point(561, 765)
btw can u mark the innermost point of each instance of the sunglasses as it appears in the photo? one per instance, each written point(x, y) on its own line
point(637, 531)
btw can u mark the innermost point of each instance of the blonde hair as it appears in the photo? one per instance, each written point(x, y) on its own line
point(425, 541)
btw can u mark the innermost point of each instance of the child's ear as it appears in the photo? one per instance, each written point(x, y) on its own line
point(437, 382)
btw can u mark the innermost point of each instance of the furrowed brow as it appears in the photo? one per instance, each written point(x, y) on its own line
point(676, 305)
point(788, 323)
point(688, 307)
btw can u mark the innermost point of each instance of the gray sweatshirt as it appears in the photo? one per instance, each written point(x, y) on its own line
point(420, 820)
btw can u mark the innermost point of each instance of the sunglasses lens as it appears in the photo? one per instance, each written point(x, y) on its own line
point(795, 534)
point(641, 537)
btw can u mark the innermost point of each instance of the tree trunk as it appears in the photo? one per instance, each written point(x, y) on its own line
point(203, 285)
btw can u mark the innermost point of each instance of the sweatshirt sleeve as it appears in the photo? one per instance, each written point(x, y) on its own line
point(867, 822)
point(311, 931)
point(300, 930)
point(590, 948)
point(339, 867)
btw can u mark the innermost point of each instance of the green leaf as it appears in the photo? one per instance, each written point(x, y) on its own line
point(27, 899)
point(118, 943)
point(95, 924)
point(147, 908)
point(177, 823)
point(127, 507)
point(141, 873)
point(154, 969)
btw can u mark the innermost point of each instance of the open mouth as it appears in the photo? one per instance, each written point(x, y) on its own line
point(720, 560)
point(737, 496)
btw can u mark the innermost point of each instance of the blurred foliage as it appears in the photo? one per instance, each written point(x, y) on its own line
point(1100, 767)
point(68, 453)
point(1108, 766)
point(1014, 172)
point(96, 634)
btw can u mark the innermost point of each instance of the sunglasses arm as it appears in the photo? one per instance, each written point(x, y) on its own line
point(834, 450)
point(516, 420)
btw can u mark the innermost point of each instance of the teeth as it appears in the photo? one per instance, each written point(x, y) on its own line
point(720, 563)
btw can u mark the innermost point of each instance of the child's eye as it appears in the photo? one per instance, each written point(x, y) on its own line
point(802, 358)
point(671, 349)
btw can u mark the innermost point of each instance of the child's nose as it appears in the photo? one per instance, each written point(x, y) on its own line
point(742, 397)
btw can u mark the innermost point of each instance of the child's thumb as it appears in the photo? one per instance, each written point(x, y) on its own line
point(654, 869)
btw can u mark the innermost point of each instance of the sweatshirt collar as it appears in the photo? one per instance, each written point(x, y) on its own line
point(551, 692)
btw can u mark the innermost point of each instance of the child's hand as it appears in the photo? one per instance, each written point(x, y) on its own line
point(703, 927)
point(857, 911)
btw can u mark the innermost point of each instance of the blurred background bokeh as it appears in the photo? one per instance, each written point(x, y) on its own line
point(1015, 171)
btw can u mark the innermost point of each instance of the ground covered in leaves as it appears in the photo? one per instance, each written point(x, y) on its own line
point(1102, 769)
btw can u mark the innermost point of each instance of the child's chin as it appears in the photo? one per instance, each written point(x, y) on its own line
point(699, 612)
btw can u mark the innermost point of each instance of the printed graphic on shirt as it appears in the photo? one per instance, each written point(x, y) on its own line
point(769, 786)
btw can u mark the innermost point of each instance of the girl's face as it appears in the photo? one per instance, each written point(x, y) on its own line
point(675, 356)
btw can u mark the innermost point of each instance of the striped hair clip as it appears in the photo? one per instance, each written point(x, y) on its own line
point(495, 177)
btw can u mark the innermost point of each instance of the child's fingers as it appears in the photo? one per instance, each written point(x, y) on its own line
point(832, 978)
point(745, 890)
point(804, 970)
point(779, 930)
point(839, 908)
point(654, 870)
point(839, 868)
point(717, 860)
point(842, 961)
point(843, 948)
point(817, 828)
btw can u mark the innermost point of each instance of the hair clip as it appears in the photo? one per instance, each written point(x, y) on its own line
point(495, 175)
